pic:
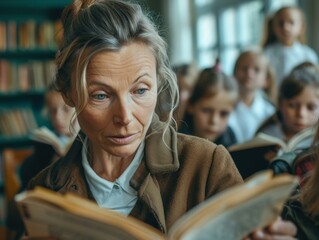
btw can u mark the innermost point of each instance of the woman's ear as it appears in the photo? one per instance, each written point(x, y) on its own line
point(68, 100)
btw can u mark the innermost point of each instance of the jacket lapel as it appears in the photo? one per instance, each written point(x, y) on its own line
point(160, 157)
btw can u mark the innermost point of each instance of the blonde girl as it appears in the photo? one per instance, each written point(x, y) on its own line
point(285, 44)
point(256, 86)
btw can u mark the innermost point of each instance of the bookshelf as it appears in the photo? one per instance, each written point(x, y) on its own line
point(29, 35)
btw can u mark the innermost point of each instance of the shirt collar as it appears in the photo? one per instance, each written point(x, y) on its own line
point(102, 185)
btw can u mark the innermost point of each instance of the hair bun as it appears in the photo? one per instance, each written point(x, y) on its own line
point(79, 5)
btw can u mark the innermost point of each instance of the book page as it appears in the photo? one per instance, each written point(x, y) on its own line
point(236, 212)
point(45, 135)
point(61, 216)
point(43, 220)
point(301, 140)
point(260, 140)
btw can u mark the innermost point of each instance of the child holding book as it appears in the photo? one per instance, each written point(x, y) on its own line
point(65, 127)
point(285, 41)
point(253, 74)
point(298, 103)
point(209, 107)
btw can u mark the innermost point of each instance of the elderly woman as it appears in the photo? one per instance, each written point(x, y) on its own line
point(112, 66)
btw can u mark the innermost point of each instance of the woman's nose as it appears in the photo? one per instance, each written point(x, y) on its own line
point(122, 112)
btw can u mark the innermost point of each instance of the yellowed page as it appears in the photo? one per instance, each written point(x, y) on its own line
point(51, 214)
point(236, 212)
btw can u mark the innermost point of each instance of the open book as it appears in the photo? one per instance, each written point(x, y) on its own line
point(256, 154)
point(45, 135)
point(230, 214)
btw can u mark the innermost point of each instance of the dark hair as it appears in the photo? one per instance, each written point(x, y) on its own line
point(303, 75)
point(208, 84)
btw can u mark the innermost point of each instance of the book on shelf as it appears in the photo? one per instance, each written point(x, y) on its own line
point(256, 154)
point(17, 121)
point(231, 214)
point(45, 135)
point(26, 76)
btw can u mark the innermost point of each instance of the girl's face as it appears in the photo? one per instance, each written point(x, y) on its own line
point(288, 26)
point(122, 89)
point(251, 72)
point(210, 115)
point(300, 112)
point(60, 113)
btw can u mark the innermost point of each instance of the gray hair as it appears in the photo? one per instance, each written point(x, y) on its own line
point(92, 26)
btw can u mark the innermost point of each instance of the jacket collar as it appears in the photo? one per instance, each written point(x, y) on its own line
point(161, 156)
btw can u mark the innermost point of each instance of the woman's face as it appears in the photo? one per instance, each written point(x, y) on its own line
point(210, 115)
point(288, 26)
point(251, 73)
point(122, 88)
point(300, 112)
point(60, 113)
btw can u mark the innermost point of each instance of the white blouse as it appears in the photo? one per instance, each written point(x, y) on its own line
point(245, 120)
point(283, 59)
point(118, 195)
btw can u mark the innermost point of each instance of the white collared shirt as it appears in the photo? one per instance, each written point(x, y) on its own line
point(245, 120)
point(283, 59)
point(118, 195)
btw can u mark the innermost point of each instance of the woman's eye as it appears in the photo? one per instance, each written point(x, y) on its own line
point(141, 91)
point(99, 96)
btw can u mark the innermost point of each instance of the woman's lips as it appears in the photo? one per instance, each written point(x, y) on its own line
point(123, 139)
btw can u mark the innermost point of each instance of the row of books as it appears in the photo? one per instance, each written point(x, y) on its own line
point(29, 35)
point(32, 75)
point(17, 122)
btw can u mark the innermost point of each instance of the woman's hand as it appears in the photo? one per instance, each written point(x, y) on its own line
point(279, 230)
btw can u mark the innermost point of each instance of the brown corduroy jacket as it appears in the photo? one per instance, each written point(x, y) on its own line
point(173, 177)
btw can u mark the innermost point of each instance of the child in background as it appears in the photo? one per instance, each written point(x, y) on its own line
point(186, 75)
point(303, 208)
point(285, 41)
point(253, 74)
point(209, 107)
point(65, 126)
point(298, 103)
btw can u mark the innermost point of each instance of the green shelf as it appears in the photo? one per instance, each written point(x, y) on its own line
point(20, 94)
point(25, 23)
point(28, 53)
point(14, 142)
point(34, 4)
